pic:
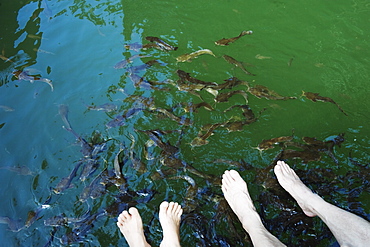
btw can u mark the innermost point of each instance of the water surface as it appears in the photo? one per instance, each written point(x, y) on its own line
point(295, 46)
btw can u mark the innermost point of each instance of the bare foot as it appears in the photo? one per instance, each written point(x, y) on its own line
point(169, 217)
point(236, 194)
point(131, 226)
point(290, 181)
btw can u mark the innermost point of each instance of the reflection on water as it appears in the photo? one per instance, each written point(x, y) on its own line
point(138, 115)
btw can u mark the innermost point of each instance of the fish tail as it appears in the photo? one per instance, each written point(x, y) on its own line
point(245, 32)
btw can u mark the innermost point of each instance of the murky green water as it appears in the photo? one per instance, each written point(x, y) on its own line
point(296, 46)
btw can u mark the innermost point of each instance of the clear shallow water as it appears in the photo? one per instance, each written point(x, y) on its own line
point(77, 44)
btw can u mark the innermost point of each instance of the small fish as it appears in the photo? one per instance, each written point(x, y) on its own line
point(165, 146)
point(314, 97)
point(263, 92)
point(224, 41)
point(6, 108)
point(63, 112)
point(162, 44)
point(6, 59)
point(43, 51)
point(123, 63)
point(194, 107)
point(305, 155)
point(21, 170)
point(201, 139)
point(47, 11)
point(230, 83)
point(247, 112)
point(184, 76)
point(65, 183)
point(268, 144)
point(137, 164)
point(23, 75)
point(237, 64)
point(189, 57)
point(224, 97)
point(13, 225)
point(107, 107)
point(134, 46)
point(259, 56)
point(290, 61)
point(89, 168)
point(180, 120)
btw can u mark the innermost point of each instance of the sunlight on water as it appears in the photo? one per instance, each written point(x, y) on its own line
point(87, 85)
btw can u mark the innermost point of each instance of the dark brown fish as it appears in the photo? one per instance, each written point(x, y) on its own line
point(224, 41)
point(304, 155)
point(314, 97)
point(201, 139)
point(224, 97)
point(165, 146)
point(180, 120)
point(268, 144)
point(235, 62)
point(263, 92)
point(162, 44)
point(184, 76)
point(230, 83)
point(190, 107)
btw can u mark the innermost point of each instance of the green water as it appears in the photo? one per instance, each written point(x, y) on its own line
point(313, 46)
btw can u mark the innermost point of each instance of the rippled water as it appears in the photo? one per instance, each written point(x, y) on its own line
point(295, 46)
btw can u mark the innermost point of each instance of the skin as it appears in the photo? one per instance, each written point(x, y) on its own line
point(131, 225)
point(348, 229)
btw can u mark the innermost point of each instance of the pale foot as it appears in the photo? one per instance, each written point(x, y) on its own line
point(290, 181)
point(169, 217)
point(131, 226)
point(236, 194)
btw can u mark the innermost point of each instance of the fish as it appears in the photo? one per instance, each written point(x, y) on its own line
point(119, 120)
point(184, 76)
point(4, 58)
point(268, 144)
point(224, 97)
point(43, 51)
point(65, 183)
point(123, 63)
point(136, 46)
point(201, 139)
point(87, 148)
point(230, 83)
point(6, 108)
point(247, 112)
point(141, 67)
point(89, 168)
point(224, 41)
point(107, 107)
point(137, 164)
point(13, 225)
point(263, 92)
point(180, 120)
point(314, 97)
point(47, 11)
point(21, 170)
point(259, 56)
point(233, 61)
point(189, 56)
point(190, 107)
point(162, 44)
point(165, 146)
point(304, 155)
point(23, 75)
point(63, 112)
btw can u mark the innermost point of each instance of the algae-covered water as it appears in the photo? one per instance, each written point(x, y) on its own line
point(76, 92)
